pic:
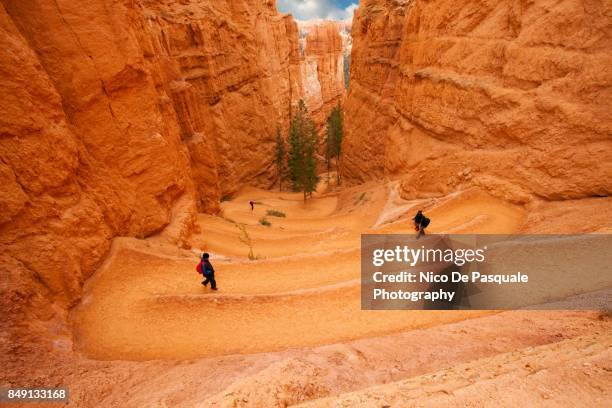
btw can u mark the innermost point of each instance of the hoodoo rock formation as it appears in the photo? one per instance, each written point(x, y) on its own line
point(115, 115)
point(511, 97)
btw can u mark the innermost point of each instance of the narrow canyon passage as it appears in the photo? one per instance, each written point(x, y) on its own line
point(133, 135)
point(147, 302)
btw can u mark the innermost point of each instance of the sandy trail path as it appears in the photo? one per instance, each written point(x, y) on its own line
point(146, 302)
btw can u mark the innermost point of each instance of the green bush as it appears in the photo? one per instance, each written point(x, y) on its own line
point(264, 221)
point(275, 213)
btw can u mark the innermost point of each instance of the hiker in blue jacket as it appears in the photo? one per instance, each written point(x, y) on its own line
point(207, 270)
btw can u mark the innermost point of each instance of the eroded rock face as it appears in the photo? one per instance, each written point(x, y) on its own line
point(511, 97)
point(322, 67)
point(234, 68)
point(114, 114)
point(89, 148)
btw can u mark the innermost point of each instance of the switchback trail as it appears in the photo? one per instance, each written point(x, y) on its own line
point(146, 302)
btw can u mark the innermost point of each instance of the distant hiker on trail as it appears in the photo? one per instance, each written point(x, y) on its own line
point(420, 223)
point(207, 271)
point(252, 205)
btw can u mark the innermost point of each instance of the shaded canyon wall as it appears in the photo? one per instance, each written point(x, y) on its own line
point(510, 96)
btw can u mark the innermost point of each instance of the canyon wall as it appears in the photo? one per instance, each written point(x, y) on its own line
point(511, 96)
point(233, 68)
point(114, 115)
point(89, 150)
point(322, 67)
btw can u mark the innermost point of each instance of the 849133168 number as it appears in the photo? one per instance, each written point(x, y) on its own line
point(34, 394)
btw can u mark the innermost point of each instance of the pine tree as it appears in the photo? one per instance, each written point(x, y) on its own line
point(296, 148)
point(335, 133)
point(311, 176)
point(302, 149)
point(279, 156)
point(328, 147)
point(339, 120)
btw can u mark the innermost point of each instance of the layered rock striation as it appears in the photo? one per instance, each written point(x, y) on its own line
point(512, 97)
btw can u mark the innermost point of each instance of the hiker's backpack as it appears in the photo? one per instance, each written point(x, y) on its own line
point(199, 268)
point(206, 268)
point(424, 222)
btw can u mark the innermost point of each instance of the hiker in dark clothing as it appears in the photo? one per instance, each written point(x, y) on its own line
point(252, 205)
point(207, 271)
point(417, 219)
point(420, 223)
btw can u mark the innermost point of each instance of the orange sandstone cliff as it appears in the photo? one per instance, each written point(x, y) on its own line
point(322, 68)
point(114, 116)
point(512, 97)
point(90, 149)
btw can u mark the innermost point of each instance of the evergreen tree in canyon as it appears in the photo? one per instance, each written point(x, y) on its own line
point(280, 153)
point(301, 159)
point(334, 136)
